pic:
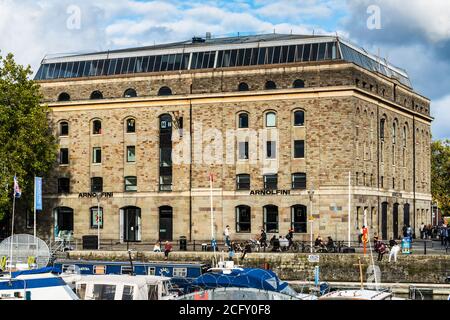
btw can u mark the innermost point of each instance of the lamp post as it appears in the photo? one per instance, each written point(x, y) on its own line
point(98, 220)
point(311, 194)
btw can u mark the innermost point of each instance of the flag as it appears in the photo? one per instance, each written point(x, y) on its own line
point(38, 194)
point(17, 191)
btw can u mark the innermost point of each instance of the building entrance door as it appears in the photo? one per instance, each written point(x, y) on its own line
point(63, 222)
point(406, 217)
point(165, 224)
point(131, 217)
point(395, 220)
point(384, 208)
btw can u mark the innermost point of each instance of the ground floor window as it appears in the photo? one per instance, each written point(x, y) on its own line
point(96, 217)
point(299, 219)
point(271, 219)
point(243, 219)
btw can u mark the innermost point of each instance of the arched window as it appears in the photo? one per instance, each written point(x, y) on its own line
point(63, 129)
point(298, 84)
point(96, 95)
point(64, 96)
point(271, 219)
point(243, 120)
point(299, 118)
point(243, 86)
point(243, 219)
point(131, 125)
point(270, 85)
point(271, 119)
point(299, 218)
point(382, 125)
point(165, 91)
point(130, 93)
point(96, 127)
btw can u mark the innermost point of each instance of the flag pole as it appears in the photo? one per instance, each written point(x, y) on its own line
point(12, 229)
point(34, 209)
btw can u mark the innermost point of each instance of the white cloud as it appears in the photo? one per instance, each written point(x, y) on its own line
point(440, 109)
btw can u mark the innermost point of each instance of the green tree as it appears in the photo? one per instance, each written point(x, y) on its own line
point(27, 146)
point(440, 174)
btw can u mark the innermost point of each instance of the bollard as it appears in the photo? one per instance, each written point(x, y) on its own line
point(424, 247)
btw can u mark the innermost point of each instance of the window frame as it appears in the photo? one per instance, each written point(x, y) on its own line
point(128, 185)
point(242, 115)
point(266, 119)
point(243, 185)
point(130, 158)
point(267, 184)
point(62, 152)
point(127, 125)
point(66, 124)
point(295, 118)
point(94, 184)
point(265, 222)
point(298, 143)
point(60, 189)
point(95, 155)
point(294, 223)
point(298, 185)
point(238, 219)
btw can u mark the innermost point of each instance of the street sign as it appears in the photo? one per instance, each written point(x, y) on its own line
point(313, 258)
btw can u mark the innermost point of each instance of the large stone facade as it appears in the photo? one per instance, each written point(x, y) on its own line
point(343, 104)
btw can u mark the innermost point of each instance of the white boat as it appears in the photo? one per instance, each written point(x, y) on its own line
point(359, 295)
point(120, 287)
point(39, 284)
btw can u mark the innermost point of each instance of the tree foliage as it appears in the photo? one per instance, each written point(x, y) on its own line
point(27, 146)
point(440, 174)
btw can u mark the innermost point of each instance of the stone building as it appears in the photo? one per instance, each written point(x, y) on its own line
point(288, 126)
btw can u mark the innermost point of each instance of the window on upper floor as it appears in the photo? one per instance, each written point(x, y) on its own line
point(63, 185)
point(243, 182)
point(64, 156)
point(298, 84)
point(131, 154)
point(243, 86)
point(270, 85)
point(131, 125)
point(243, 150)
point(64, 96)
point(63, 129)
point(243, 120)
point(165, 91)
point(97, 155)
point(299, 181)
point(96, 184)
point(96, 95)
point(271, 119)
point(299, 149)
point(130, 184)
point(270, 181)
point(299, 118)
point(130, 93)
point(271, 149)
point(96, 127)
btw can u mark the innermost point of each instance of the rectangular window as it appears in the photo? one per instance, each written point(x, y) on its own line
point(271, 182)
point(64, 129)
point(127, 293)
point(104, 292)
point(299, 149)
point(243, 219)
point(165, 183)
point(131, 154)
point(96, 218)
point(97, 184)
point(130, 184)
point(97, 155)
point(131, 126)
point(271, 147)
point(99, 269)
point(63, 185)
point(243, 150)
point(299, 219)
point(299, 181)
point(271, 219)
point(64, 156)
point(126, 270)
point(165, 157)
point(151, 271)
point(180, 272)
point(243, 182)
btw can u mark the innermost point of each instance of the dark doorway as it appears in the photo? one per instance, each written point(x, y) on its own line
point(395, 220)
point(384, 209)
point(165, 223)
point(64, 219)
point(406, 216)
point(131, 224)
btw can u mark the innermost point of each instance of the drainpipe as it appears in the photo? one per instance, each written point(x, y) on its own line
point(414, 171)
point(190, 167)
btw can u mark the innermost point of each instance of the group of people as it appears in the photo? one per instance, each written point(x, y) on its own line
point(167, 248)
point(381, 248)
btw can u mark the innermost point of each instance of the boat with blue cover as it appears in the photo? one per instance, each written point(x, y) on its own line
point(37, 284)
point(181, 274)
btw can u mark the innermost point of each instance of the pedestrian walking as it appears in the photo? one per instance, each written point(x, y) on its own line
point(422, 231)
point(167, 249)
point(263, 239)
point(227, 234)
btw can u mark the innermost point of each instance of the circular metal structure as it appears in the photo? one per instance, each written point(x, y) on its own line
point(26, 250)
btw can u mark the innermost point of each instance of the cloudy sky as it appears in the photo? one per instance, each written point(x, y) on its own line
point(413, 34)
